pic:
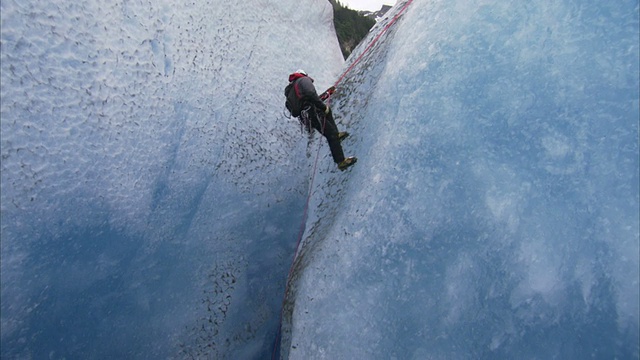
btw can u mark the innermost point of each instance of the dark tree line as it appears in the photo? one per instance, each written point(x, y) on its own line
point(351, 27)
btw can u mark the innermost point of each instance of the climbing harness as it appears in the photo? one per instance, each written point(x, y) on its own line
point(305, 119)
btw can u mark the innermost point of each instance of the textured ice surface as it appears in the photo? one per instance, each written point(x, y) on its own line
point(151, 191)
point(494, 210)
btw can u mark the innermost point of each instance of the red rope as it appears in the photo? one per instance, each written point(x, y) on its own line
point(315, 166)
point(395, 18)
point(300, 233)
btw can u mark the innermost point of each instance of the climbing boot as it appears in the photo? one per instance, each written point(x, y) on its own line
point(347, 162)
point(343, 135)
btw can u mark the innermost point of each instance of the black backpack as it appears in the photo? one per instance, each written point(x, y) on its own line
point(293, 102)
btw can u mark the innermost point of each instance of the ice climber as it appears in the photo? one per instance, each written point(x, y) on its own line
point(304, 103)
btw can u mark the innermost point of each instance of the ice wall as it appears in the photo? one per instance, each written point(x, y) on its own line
point(151, 187)
point(493, 213)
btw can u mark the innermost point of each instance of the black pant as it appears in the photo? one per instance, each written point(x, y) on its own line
point(325, 124)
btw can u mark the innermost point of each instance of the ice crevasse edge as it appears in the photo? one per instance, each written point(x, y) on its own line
point(494, 209)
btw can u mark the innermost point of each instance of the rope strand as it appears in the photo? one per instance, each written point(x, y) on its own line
point(300, 233)
point(315, 166)
point(357, 60)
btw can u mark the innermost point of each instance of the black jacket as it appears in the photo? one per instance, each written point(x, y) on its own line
point(301, 92)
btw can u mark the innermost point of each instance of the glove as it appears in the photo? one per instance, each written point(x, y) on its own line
point(327, 110)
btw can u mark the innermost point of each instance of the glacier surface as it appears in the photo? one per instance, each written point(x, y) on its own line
point(151, 191)
point(493, 213)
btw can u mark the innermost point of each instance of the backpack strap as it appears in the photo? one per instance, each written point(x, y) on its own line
point(296, 88)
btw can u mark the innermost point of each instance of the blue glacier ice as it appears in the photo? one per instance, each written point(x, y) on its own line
point(153, 190)
point(493, 213)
